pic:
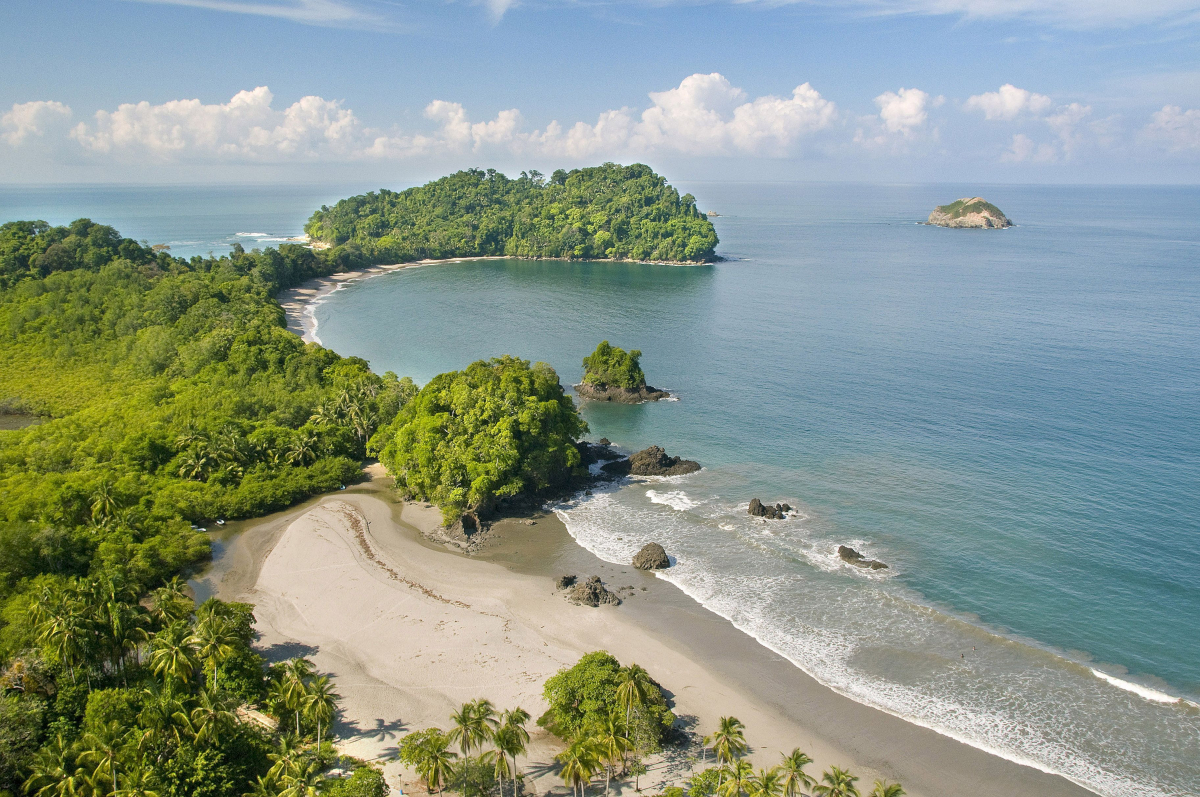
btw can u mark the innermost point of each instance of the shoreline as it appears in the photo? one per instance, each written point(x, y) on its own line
point(298, 303)
point(710, 667)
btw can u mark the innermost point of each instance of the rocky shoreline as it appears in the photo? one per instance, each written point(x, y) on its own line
point(620, 395)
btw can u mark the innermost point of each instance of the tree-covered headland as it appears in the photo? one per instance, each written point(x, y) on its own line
point(493, 431)
point(603, 212)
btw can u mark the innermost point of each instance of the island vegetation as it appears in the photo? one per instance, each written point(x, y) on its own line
point(603, 212)
point(974, 212)
point(613, 374)
point(469, 439)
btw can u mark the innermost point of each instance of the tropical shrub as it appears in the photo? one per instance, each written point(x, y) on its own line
point(611, 366)
point(587, 693)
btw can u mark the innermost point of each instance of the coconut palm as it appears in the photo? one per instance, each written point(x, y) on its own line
point(473, 724)
point(837, 782)
point(136, 782)
point(728, 742)
point(53, 772)
point(320, 703)
point(885, 789)
point(511, 738)
point(501, 768)
point(262, 787)
point(794, 776)
point(437, 765)
point(612, 742)
point(294, 685)
point(170, 603)
point(303, 780)
point(103, 750)
point(286, 758)
point(62, 627)
point(216, 640)
point(104, 502)
point(633, 686)
point(736, 778)
point(210, 718)
point(767, 783)
point(173, 654)
point(579, 762)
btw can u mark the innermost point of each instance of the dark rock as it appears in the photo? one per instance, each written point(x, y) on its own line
point(604, 441)
point(596, 452)
point(565, 582)
point(592, 593)
point(777, 512)
point(651, 557)
point(621, 395)
point(853, 557)
point(651, 462)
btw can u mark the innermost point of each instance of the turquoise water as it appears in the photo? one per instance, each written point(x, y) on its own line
point(1010, 419)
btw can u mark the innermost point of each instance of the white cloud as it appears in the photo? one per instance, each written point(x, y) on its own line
point(1025, 149)
point(1177, 128)
point(903, 111)
point(1009, 102)
point(1065, 124)
point(29, 119)
point(332, 13)
point(245, 127)
point(703, 115)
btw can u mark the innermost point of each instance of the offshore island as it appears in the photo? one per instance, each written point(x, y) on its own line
point(972, 212)
point(337, 648)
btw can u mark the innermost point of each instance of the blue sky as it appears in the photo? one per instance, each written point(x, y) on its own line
point(889, 90)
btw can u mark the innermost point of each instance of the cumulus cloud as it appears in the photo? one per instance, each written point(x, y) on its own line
point(1175, 127)
point(32, 119)
point(703, 115)
point(1024, 149)
point(245, 127)
point(903, 111)
point(1009, 102)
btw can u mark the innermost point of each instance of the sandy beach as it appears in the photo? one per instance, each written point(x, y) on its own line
point(409, 631)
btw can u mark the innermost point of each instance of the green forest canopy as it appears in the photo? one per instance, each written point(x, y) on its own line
point(494, 430)
point(609, 211)
point(612, 366)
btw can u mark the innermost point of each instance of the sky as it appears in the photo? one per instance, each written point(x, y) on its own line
point(270, 91)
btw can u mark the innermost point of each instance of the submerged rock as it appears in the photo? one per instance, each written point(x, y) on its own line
point(777, 512)
point(653, 461)
point(592, 593)
point(853, 557)
point(973, 212)
point(621, 395)
point(652, 557)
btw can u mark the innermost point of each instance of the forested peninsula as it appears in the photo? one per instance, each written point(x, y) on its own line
point(604, 212)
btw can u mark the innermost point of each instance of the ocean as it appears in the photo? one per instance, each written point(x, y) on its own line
point(1009, 419)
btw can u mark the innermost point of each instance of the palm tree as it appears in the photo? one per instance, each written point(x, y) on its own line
point(437, 766)
point(320, 703)
point(612, 743)
point(53, 770)
point(173, 657)
point(286, 757)
point(62, 627)
point(579, 762)
point(511, 738)
point(794, 776)
point(736, 778)
point(262, 787)
point(136, 783)
point(885, 789)
point(473, 723)
point(294, 686)
point(728, 742)
point(103, 750)
point(500, 766)
point(303, 780)
point(210, 718)
point(170, 603)
point(767, 783)
point(837, 783)
point(633, 685)
point(104, 502)
point(216, 640)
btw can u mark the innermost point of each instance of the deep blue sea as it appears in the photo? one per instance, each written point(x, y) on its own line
point(1010, 419)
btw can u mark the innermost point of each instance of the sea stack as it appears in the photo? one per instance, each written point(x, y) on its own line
point(974, 212)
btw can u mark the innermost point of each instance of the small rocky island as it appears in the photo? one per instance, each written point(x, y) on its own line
point(759, 509)
point(652, 461)
point(613, 374)
point(974, 212)
point(853, 557)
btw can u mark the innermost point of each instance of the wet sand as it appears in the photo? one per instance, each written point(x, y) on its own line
point(410, 630)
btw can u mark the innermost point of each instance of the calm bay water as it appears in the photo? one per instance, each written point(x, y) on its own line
point(1010, 419)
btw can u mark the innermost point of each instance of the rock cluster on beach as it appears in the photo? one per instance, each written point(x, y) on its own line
point(652, 557)
point(589, 593)
point(652, 461)
point(621, 395)
point(971, 212)
point(853, 557)
point(777, 512)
